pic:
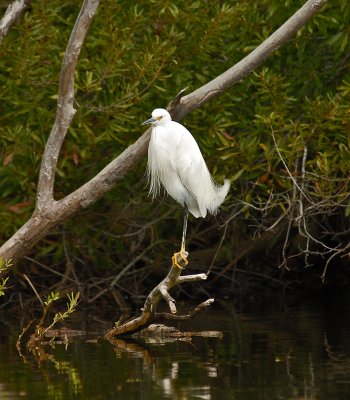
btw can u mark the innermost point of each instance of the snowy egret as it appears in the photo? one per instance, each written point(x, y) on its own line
point(176, 162)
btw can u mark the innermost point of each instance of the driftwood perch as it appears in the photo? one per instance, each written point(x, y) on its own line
point(161, 291)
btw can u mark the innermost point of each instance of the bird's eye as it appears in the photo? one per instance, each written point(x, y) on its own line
point(160, 117)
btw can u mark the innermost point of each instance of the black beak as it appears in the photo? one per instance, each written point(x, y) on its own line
point(149, 121)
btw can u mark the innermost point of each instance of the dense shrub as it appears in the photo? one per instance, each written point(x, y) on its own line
point(290, 118)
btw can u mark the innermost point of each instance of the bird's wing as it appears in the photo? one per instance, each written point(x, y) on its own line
point(176, 161)
point(192, 170)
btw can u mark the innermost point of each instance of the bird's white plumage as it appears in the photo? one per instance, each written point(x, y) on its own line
point(176, 162)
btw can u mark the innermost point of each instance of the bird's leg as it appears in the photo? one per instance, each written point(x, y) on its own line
point(184, 230)
point(182, 252)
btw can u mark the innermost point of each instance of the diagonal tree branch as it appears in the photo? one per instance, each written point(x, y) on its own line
point(13, 11)
point(119, 167)
point(252, 61)
point(49, 213)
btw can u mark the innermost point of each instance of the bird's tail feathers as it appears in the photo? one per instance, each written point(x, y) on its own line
point(217, 196)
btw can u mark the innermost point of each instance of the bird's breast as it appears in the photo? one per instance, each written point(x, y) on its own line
point(162, 151)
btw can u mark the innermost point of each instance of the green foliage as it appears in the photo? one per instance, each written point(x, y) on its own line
point(4, 265)
point(3, 286)
point(40, 330)
point(53, 296)
point(60, 316)
point(137, 56)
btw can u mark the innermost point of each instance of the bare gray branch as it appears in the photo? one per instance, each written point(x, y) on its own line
point(252, 61)
point(13, 11)
point(65, 110)
point(161, 291)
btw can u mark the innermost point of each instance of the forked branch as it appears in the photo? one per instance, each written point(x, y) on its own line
point(161, 291)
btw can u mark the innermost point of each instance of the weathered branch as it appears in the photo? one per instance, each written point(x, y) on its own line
point(65, 110)
point(161, 291)
point(45, 218)
point(190, 315)
point(13, 11)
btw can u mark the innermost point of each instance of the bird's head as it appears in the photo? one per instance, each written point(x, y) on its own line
point(159, 117)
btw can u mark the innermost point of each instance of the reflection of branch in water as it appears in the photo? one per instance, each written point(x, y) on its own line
point(167, 377)
point(6, 394)
point(333, 355)
point(40, 355)
point(309, 381)
point(37, 350)
point(337, 369)
point(133, 348)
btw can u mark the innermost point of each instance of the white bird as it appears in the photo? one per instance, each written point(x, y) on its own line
point(176, 162)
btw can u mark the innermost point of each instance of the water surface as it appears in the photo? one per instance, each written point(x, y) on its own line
point(299, 354)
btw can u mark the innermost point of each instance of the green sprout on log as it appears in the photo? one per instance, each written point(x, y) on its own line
point(60, 316)
point(3, 267)
point(35, 340)
point(3, 286)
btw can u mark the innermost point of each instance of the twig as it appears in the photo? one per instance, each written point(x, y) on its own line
point(286, 167)
point(176, 100)
point(218, 249)
point(190, 315)
point(122, 273)
point(34, 290)
point(285, 244)
point(51, 269)
point(323, 276)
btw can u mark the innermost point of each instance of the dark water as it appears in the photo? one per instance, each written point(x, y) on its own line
point(300, 354)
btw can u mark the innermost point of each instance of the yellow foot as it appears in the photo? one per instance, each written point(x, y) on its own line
point(175, 258)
